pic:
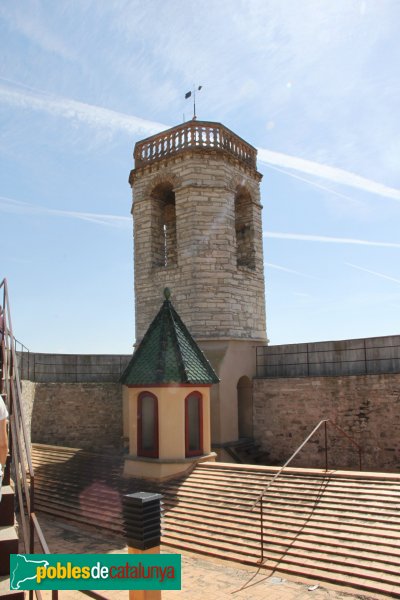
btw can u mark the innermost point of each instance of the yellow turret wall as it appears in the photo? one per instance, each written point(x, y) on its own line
point(172, 459)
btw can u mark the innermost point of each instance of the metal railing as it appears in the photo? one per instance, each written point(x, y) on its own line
point(71, 368)
point(319, 359)
point(194, 135)
point(19, 445)
point(261, 495)
point(19, 442)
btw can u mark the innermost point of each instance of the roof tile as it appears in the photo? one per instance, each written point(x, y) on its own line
point(168, 354)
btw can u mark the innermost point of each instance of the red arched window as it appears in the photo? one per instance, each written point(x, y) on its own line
point(147, 425)
point(194, 424)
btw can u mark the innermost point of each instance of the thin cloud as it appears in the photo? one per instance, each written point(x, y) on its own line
point(376, 273)
point(11, 205)
point(301, 294)
point(326, 239)
point(104, 118)
point(34, 28)
point(326, 172)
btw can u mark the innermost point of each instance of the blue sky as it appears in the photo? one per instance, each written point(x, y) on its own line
point(313, 84)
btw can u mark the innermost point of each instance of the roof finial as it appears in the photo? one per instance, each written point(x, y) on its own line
point(167, 293)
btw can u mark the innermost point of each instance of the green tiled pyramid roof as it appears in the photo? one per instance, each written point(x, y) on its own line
point(168, 354)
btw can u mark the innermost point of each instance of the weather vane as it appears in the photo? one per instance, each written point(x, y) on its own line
point(189, 94)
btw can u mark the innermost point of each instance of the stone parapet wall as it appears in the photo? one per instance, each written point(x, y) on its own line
point(83, 415)
point(214, 296)
point(367, 407)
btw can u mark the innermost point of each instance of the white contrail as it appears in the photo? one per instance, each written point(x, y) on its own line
point(97, 116)
point(287, 270)
point(376, 273)
point(326, 239)
point(317, 185)
point(331, 173)
point(17, 206)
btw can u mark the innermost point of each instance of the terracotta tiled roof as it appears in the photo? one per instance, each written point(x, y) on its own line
point(168, 354)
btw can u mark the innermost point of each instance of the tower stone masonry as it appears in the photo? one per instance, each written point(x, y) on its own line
point(197, 229)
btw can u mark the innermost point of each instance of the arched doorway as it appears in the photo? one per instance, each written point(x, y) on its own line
point(245, 407)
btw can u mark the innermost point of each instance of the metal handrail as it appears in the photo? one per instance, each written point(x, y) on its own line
point(19, 445)
point(10, 388)
point(259, 499)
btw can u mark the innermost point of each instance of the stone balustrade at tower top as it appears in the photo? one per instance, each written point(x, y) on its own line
point(194, 135)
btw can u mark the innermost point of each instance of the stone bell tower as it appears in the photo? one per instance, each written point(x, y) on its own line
point(197, 230)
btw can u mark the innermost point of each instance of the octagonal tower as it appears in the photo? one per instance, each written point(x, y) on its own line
point(197, 229)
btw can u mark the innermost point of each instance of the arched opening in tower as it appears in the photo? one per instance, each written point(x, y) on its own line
point(164, 252)
point(245, 251)
point(245, 407)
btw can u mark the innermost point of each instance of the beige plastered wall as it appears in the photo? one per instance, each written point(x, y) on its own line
point(231, 359)
point(171, 427)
